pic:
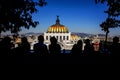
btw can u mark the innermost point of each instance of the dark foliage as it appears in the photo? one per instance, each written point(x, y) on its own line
point(15, 14)
point(113, 12)
point(113, 7)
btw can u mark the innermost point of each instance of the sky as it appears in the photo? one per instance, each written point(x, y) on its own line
point(82, 16)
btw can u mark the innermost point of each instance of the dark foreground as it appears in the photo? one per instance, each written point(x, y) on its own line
point(61, 59)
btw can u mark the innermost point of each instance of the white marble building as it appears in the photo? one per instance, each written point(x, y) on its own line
point(64, 37)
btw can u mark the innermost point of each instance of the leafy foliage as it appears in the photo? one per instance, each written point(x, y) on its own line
point(109, 23)
point(113, 7)
point(15, 14)
point(113, 12)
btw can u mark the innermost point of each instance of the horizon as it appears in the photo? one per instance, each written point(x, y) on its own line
point(83, 16)
point(77, 33)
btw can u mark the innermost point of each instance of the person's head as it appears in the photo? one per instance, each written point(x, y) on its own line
point(79, 42)
point(6, 40)
point(40, 38)
point(24, 40)
point(115, 39)
point(53, 40)
point(87, 41)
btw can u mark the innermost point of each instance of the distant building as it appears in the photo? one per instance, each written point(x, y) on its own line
point(64, 37)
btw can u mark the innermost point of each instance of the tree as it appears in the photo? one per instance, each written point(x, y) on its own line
point(15, 14)
point(113, 11)
point(113, 7)
point(109, 23)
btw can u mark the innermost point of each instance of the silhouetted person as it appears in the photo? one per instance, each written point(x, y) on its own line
point(76, 51)
point(5, 46)
point(77, 48)
point(101, 48)
point(115, 47)
point(54, 47)
point(88, 48)
point(24, 47)
point(40, 48)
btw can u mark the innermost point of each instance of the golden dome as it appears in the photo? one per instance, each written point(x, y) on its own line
point(74, 37)
point(57, 28)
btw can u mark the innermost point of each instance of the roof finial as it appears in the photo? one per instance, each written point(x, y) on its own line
point(57, 21)
point(57, 17)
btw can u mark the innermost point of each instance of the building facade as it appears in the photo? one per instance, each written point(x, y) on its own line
point(62, 34)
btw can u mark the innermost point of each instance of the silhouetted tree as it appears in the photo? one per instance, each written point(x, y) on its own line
point(15, 14)
point(109, 23)
point(113, 7)
point(113, 12)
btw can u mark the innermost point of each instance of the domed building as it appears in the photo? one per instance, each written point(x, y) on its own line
point(64, 37)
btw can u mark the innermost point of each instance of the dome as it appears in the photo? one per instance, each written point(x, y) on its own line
point(74, 37)
point(57, 28)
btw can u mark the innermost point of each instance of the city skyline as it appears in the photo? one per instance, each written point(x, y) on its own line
point(83, 16)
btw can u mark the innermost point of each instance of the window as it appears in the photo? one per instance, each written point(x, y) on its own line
point(67, 37)
point(60, 37)
point(46, 37)
point(63, 37)
point(57, 37)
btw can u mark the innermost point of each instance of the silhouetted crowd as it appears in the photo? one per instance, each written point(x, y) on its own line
point(52, 54)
